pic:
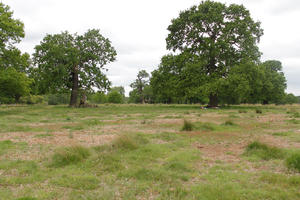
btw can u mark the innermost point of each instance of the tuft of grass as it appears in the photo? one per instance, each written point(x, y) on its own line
point(187, 126)
point(43, 135)
point(205, 127)
point(243, 111)
point(77, 182)
point(125, 142)
point(282, 133)
point(258, 111)
point(293, 161)
point(294, 121)
point(69, 155)
point(264, 151)
point(229, 123)
point(26, 198)
point(296, 115)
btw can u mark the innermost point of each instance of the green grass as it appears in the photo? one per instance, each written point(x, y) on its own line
point(69, 155)
point(263, 151)
point(151, 160)
point(187, 126)
point(293, 161)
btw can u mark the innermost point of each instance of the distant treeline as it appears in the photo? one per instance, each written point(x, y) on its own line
point(215, 60)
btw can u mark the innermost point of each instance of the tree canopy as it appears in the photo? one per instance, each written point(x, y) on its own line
point(12, 31)
point(220, 36)
point(69, 61)
point(138, 86)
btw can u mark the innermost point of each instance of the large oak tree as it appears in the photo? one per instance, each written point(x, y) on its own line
point(221, 36)
point(71, 62)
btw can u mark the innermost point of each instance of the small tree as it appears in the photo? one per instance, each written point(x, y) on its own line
point(140, 84)
point(73, 62)
point(13, 84)
point(115, 97)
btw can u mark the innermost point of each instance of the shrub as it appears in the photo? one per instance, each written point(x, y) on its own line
point(264, 151)
point(69, 155)
point(187, 126)
point(98, 97)
point(32, 99)
point(115, 97)
point(293, 161)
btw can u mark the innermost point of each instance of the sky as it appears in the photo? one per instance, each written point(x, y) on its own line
point(138, 28)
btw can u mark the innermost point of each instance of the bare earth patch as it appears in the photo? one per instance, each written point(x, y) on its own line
point(59, 138)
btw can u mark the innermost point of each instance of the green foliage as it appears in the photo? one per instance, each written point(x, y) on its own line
point(69, 155)
point(57, 99)
point(293, 161)
point(32, 99)
point(98, 97)
point(264, 151)
point(13, 85)
point(187, 126)
point(12, 31)
point(141, 83)
point(290, 99)
point(70, 61)
point(218, 36)
point(115, 97)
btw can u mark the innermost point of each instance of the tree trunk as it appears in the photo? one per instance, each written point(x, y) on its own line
point(74, 92)
point(213, 100)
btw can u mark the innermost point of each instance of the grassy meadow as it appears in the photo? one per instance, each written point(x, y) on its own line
point(150, 152)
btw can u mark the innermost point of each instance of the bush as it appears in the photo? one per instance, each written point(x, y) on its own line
point(32, 99)
point(98, 97)
point(7, 100)
point(187, 126)
point(69, 155)
point(264, 151)
point(56, 99)
point(115, 97)
point(293, 161)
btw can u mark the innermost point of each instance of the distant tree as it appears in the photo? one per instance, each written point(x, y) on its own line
point(72, 62)
point(98, 97)
point(220, 36)
point(115, 97)
point(119, 89)
point(140, 84)
point(13, 85)
point(11, 33)
point(179, 79)
point(291, 99)
point(274, 82)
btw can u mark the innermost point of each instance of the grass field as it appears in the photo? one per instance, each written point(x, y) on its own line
point(150, 152)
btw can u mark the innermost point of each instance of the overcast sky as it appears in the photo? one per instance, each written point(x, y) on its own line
point(137, 29)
